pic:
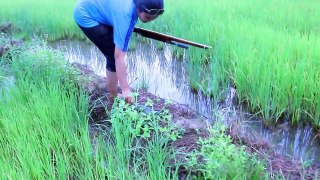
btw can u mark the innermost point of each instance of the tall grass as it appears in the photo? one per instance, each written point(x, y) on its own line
point(269, 49)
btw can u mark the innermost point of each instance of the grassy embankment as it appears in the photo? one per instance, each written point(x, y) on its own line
point(268, 49)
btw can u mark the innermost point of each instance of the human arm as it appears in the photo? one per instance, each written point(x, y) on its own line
point(121, 68)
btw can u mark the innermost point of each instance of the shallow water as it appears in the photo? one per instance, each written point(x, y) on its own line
point(166, 77)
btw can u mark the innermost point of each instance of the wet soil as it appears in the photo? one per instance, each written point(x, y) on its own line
point(195, 126)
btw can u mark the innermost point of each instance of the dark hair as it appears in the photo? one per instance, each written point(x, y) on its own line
point(149, 4)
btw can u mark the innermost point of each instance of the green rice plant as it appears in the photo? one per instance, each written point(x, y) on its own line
point(44, 130)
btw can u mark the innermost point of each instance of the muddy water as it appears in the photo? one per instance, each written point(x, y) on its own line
point(162, 75)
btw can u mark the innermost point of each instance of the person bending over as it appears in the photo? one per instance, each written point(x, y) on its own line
point(109, 25)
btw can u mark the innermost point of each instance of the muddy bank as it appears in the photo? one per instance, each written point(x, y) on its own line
point(195, 126)
point(279, 166)
point(6, 41)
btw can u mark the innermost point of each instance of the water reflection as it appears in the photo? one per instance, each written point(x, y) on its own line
point(163, 75)
point(299, 142)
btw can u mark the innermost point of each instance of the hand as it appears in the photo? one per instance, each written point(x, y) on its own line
point(127, 96)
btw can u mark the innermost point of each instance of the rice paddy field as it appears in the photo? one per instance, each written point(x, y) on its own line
point(268, 50)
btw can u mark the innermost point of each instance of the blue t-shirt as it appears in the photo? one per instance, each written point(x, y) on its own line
point(121, 15)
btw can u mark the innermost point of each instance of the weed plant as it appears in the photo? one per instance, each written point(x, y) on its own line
point(219, 158)
point(138, 144)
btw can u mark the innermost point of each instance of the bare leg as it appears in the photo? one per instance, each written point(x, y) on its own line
point(112, 84)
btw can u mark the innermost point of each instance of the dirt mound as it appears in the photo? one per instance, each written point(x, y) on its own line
point(279, 165)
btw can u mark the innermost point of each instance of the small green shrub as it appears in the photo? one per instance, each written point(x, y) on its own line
point(219, 158)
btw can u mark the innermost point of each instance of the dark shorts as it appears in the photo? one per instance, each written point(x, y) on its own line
point(102, 36)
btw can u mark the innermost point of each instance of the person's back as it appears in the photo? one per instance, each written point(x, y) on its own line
point(118, 14)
